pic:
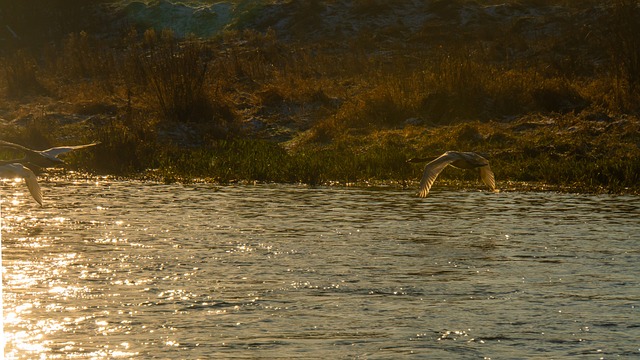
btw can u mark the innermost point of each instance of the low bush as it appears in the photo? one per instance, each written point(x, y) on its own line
point(21, 76)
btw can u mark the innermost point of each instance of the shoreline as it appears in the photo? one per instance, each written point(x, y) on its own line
point(409, 185)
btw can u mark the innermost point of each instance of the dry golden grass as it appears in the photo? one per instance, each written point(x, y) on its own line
point(358, 110)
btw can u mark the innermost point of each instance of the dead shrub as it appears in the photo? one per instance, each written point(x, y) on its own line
point(556, 95)
point(20, 72)
point(621, 38)
point(176, 75)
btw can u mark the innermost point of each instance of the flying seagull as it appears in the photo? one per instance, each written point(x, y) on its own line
point(461, 160)
point(10, 169)
point(43, 158)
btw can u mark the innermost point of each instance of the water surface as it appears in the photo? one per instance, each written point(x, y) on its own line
point(122, 269)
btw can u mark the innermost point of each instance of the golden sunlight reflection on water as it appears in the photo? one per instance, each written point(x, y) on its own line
point(112, 269)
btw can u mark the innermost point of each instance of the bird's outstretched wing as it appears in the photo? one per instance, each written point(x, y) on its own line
point(487, 177)
point(32, 185)
point(65, 149)
point(19, 170)
point(44, 158)
point(10, 145)
point(432, 170)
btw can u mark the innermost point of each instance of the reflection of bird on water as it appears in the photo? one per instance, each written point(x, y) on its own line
point(461, 160)
point(42, 158)
point(12, 170)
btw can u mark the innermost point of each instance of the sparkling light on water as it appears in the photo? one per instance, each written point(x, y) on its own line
point(138, 270)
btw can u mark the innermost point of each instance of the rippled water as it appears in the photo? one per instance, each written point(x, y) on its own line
point(140, 270)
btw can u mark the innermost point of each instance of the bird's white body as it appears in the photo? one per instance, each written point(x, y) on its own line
point(462, 160)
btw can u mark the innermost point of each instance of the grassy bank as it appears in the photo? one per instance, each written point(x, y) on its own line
point(535, 153)
point(558, 108)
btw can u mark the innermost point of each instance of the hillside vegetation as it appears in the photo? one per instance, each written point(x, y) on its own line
point(335, 91)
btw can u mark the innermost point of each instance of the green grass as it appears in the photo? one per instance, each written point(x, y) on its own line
point(542, 156)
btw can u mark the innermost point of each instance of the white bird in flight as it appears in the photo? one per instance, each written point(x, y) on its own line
point(14, 170)
point(461, 160)
point(43, 158)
